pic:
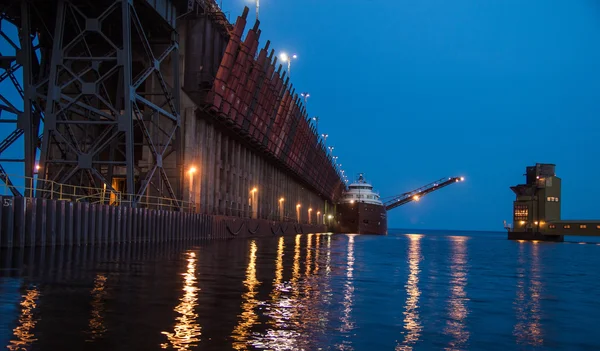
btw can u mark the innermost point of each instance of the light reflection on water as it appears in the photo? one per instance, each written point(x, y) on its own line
point(249, 317)
point(412, 325)
point(457, 307)
point(528, 329)
point(96, 323)
point(310, 292)
point(23, 334)
point(186, 333)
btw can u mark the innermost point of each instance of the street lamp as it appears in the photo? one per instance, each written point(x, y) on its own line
point(324, 136)
point(298, 211)
point(281, 209)
point(254, 207)
point(309, 211)
point(191, 172)
point(285, 58)
point(305, 96)
point(316, 119)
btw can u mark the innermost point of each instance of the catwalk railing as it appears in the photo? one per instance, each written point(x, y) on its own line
point(106, 196)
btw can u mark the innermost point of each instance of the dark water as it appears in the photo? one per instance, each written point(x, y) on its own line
point(440, 290)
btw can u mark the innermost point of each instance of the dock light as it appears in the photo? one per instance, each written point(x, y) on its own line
point(536, 222)
point(310, 209)
point(281, 200)
point(37, 167)
point(522, 222)
point(192, 169)
point(254, 190)
point(298, 206)
point(330, 216)
point(285, 58)
point(318, 213)
point(305, 96)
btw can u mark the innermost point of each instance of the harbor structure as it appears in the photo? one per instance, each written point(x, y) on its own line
point(156, 106)
point(537, 209)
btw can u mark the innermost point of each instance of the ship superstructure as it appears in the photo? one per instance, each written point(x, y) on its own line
point(360, 209)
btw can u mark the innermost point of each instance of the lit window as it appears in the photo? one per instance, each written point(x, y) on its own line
point(521, 212)
point(567, 226)
point(551, 226)
point(582, 226)
point(598, 227)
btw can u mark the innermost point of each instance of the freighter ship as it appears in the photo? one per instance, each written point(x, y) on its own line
point(361, 211)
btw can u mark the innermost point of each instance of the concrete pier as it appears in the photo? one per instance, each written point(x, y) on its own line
point(29, 222)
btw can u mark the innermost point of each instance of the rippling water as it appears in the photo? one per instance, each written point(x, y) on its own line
point(404, 291)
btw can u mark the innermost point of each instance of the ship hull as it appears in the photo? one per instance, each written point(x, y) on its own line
point(362, 218)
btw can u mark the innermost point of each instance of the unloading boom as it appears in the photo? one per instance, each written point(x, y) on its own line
point(416, 194)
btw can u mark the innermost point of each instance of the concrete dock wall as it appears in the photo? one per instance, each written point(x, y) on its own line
point(29, 222)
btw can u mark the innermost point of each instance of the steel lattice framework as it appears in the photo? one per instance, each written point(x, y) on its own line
point(107, 90)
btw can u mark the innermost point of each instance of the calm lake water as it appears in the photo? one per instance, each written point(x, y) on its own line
point(423, 291)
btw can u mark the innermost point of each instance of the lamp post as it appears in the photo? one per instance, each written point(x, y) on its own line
point(298, 212)
point(253, 202)
point(309, 211)
point(305, 96)
point(191, 173)
point(281, 209)
point(316, 119)
point(285, 58)
point(318, 213)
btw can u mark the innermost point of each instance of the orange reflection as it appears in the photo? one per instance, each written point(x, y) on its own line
point(308, 253)
point(528, 329)
point(412, 325)
point(187, 331)
point(317, 252)
point(248, 317)
point(23, 333)
point(96, 323)
point(281, 309)
point(279, 264)
point(457, 304)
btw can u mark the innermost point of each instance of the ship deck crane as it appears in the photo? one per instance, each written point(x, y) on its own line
point(418, 193)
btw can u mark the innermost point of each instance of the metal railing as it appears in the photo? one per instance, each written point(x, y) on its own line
point(56, 191)
point(105, 196)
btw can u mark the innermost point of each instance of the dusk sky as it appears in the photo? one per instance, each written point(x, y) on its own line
point(412, 91)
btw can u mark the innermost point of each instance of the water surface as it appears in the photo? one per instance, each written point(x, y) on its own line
point(422, 291)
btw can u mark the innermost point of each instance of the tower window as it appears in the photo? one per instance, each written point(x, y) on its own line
point(521, 212)
point(582, 226)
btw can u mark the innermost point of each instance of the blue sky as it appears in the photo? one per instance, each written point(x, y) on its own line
point(412, 91)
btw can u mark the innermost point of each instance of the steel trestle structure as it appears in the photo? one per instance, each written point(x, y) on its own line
point(107, 82)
